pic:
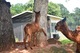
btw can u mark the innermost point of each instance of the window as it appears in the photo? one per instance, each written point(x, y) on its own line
point(53, 27)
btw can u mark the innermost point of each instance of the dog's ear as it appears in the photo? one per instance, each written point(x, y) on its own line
point(34, 11)
point(37, 12)
point(63, 20)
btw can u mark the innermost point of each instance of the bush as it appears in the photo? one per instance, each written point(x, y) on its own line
point(57, 50)
point(41, 50)
point(53, 49)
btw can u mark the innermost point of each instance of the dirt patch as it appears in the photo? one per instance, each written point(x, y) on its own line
point(50, 48)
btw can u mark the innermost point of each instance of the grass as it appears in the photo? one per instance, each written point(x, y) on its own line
point(16, 40)
point(66, 41)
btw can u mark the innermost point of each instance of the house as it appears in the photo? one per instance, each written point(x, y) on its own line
point(20, 20)
point(52, 22)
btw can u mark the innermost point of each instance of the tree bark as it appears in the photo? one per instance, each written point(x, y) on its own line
point(42, 6)
point(6, 30)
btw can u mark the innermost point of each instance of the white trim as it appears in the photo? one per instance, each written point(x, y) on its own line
point(54, 16)
point(21, 13)
point(32, 12)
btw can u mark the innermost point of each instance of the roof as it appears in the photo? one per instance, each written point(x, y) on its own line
point(54, 16)
point(22, 13)
point(31, 13)
point(27, 16)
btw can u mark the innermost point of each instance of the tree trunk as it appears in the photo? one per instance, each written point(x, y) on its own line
point(6, 31)
point(42, 6)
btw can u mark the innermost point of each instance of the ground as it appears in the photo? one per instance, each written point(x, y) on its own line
point(50, 48)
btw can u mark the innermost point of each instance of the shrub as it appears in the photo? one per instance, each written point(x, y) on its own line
point(57, 50)
point(53, 49)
